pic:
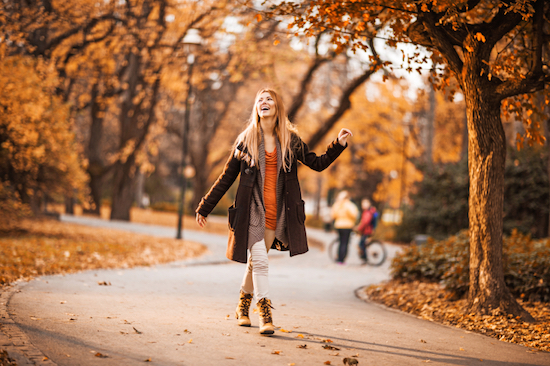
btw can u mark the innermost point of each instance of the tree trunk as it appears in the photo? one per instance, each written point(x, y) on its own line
point(124, 182)
point(430, 125)
point(548, 162)
point(96, 168)
point(464, 145)
point(486, 159)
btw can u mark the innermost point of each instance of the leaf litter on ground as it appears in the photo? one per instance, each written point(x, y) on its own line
point(432, 302)
point(45, 246)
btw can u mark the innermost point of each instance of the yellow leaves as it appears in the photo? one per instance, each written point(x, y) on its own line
point(41, 250)
point(258, 17)
point(276, 42)
point(429, 300)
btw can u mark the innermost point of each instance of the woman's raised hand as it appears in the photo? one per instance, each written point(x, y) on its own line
point(201, 220)
point(343, 136)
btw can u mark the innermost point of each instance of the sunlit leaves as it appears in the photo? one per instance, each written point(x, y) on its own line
point(37, 142)
point(41, 247)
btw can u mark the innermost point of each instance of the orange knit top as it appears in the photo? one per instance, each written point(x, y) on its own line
point(270, 190)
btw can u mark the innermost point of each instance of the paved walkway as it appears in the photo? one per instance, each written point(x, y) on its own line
point(182, 314)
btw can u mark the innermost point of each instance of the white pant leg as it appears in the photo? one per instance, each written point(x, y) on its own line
point(247, 285)
point(260, 269)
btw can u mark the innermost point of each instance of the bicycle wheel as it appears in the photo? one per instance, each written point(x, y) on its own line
point(333, 250)
point(376, 253)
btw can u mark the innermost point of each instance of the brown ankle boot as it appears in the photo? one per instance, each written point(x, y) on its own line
point(243, 309)
point(266, 320)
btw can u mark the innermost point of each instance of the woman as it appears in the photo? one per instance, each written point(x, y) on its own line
point(344, 213)
point(268, 211)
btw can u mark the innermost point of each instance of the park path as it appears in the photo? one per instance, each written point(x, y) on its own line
point(182, 314)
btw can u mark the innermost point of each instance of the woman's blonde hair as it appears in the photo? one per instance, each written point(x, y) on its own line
point(283, 129)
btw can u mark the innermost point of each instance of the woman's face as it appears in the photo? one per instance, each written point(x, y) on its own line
point(266, 106)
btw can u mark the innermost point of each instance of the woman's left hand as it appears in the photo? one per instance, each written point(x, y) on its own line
point(343, 136)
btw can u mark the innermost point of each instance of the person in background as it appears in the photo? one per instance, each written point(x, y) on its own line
point(344, 212)
point(366, 226)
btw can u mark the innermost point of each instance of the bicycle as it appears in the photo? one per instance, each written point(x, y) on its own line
point(375, 250)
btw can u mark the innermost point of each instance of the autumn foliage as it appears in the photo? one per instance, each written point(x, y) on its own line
point(38, 154)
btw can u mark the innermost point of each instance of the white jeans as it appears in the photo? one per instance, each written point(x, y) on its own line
point(257, 268)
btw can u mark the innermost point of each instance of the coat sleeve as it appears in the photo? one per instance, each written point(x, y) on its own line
point(223, 183)
point(321, 162)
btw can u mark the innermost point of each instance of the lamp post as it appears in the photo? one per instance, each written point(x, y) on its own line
point(191, 41)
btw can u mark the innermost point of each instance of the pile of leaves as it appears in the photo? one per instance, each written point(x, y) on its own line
point(431, 301)
point(44, 247)
point(526, 265)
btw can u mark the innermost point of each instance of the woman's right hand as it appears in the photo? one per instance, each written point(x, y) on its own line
point(201, 220)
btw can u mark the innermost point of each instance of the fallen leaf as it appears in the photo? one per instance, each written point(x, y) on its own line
point(426, 361)
point(148, 360)
point(275, 352)
point(286, 331)
point(327, 362)
point(229, 358)
point(423, 341)
point(327, 341)
point(137, 331)
point(186, 331)
point(327, 346)
point(63, 302)
point(104, 283)
point(190, 341)
point(300, 336)
point(301, 346)
point(461, 349)
point(45, 358)
point(291, 364)
point(100, 355)
point(350, 361)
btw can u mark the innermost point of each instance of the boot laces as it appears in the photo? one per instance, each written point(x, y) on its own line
point(244, 304)
point(265, 310)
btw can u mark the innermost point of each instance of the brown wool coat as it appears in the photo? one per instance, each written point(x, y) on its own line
point(239, 212)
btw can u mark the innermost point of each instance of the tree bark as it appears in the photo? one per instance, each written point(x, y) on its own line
point(486, 159)
point(123, 189)
point(96, 168)
point(430, 119)
point(548, 161)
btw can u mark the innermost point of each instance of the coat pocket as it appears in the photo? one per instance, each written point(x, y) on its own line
point(232, 213)
point(301, 212)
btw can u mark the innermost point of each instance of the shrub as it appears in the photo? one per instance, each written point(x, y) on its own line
point(526, 264)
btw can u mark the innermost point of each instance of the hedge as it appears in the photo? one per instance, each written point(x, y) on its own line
point(526, 264)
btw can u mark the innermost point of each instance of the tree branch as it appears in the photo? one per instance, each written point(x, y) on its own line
point(345, 102)
point(535, 78)
point(299, 98)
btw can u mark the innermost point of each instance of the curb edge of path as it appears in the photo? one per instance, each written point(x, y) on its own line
point(13, 339)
